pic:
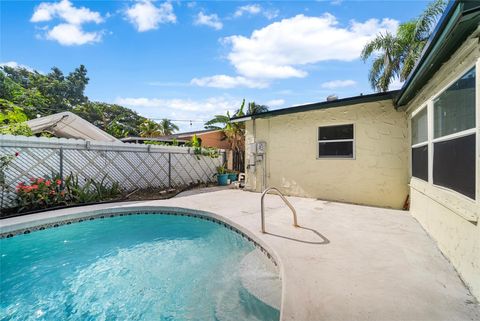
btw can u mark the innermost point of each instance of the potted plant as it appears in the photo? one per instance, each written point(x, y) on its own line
point(222, 176)
point(232, 176)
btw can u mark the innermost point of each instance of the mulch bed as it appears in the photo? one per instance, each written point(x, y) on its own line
point(147, 194)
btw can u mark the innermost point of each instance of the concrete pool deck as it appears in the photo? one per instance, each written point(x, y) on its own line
point(344, 262)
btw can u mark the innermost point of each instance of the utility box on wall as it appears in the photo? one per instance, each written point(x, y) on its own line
point(258, 148)
point(256, 155)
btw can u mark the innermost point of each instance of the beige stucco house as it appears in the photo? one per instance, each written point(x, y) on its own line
point(418, 144)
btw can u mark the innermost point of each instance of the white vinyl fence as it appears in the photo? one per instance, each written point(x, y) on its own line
point(131, 165)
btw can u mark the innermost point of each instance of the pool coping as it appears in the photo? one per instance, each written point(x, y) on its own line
point(78, 215)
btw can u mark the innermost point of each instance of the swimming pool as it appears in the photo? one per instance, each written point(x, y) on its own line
point(129, 267)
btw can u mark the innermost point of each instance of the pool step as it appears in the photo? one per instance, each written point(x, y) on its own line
point(238, 305)
point(260, 277)
point(258, 297)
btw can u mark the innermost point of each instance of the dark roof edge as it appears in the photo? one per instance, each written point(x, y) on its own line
point(445, 24)
point(323, 105)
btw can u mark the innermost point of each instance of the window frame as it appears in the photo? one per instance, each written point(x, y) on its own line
point(353, 140)
point(421, 144)
point(429, 104)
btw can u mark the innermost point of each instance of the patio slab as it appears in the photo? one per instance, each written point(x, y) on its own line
point(344, 262)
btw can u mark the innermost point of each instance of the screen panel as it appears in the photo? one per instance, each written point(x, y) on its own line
point(454, 164)
point(420, 162)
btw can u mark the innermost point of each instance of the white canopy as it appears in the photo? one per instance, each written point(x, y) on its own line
point(69, 125)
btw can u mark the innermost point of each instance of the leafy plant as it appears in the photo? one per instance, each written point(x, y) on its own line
point(13, 120)
point(19, 129)
point(5, 161)
point(47, 192)
point(221, 170)
point(151, 142)
point(91, 190)
point(41, 193)
point(206, 151)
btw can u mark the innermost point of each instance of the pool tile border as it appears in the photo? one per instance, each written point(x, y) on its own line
point(114, 212)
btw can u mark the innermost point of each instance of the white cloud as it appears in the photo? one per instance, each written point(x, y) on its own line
point(224, 81)
point(183, 109)
point(271, 14)
point(14, 64)
point(70, 32)
point(254, 9)
point(69, 35)
point(275, 102)
point(211, 20)
point(144, 15)
point(249, 8)
point(338, 84)
point(280, 49)
point(64, 10)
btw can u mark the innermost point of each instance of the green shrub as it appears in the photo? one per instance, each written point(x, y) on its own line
point(47, 192)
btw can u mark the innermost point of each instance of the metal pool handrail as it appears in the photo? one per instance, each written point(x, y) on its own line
point(262, 206)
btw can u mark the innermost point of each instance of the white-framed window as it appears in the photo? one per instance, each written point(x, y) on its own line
point(454, 136)
point(444, 134)
point(420, 144)
point(336, 141)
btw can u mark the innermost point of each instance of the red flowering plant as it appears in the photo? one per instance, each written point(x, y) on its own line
point(41, 192)
point(44, 192)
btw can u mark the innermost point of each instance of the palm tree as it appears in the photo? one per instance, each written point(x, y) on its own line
point(167, 127)
point(150, 128)
point(234, 132)
point(400, 52)
point(254, 108)
point(386, 66)
point(218, 122)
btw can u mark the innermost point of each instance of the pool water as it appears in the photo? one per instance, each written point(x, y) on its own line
point(138, 267)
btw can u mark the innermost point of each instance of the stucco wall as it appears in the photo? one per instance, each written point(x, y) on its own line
point(450, 218)
point(377, 176)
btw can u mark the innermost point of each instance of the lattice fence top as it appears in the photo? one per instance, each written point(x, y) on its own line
point(132, 165)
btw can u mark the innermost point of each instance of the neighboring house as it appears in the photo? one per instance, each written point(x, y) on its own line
point(376, 149)
point(208, 137)
point(69, 125)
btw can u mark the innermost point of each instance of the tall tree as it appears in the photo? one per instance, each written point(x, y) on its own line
point(114, 119)
point(41, 94)
point(150, 129)
point(45, 94)
point(386, 65)
point(396, 55)
point(234, 132)
point(254, 108)
point(167, 127)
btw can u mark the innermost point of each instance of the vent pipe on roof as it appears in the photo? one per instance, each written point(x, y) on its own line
point(332, 97)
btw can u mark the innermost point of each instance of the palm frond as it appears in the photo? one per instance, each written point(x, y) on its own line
point(427, 20)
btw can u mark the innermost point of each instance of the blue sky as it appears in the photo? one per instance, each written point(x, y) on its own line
point(189, 60)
